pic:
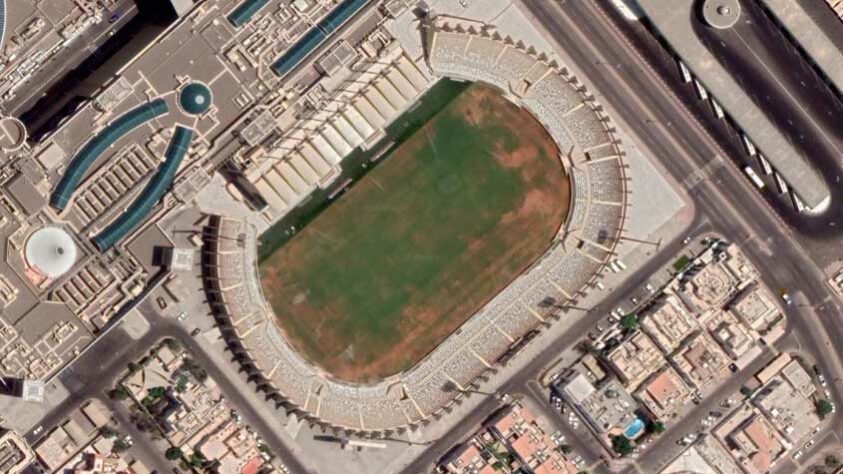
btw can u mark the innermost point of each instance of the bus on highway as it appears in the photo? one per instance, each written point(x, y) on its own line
point(686, 73)
point(718, 111)
point(750, 148)
point(781, 183)
point(754, 177)
point(701, 92)
point(765, 165)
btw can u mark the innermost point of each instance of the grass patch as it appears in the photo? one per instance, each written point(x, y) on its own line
point(681, 263)
point(359, 163)
point(367, 286)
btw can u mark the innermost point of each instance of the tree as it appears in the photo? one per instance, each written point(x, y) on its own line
point(195, 370)
point(173, 454)
point(107, 432)
point(197, 460)
point(172, 344)
point(658, 427)
point(630, 321)
point(824, 408)
point(118, 393)
point(832, 461)
point(120, 446)
point(181, 383)
point(746, 391)
point(565, 449)
point(157, 392)
point(143, 421)
point(153, 395)
point(622, 445)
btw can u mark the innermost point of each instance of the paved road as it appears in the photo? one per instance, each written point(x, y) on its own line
point(674, 137)
point(782, 83)
point(518, 383)
point(93, 373)
point(58, 67)
point(144, 448)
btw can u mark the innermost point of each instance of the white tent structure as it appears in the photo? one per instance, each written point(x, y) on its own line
point(50, 251)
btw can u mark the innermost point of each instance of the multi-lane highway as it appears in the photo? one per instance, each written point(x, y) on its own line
point(654, 109)
point(96, 371)
point(776, 76)
point(649, 107)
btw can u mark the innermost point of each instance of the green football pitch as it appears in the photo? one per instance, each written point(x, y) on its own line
point(447, 220)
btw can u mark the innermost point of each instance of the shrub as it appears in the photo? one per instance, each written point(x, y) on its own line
point(173, 454)
point(622, 445)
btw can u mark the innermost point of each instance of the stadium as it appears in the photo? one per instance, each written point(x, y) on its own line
point(593, 161)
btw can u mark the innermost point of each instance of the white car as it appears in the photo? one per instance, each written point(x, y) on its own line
point(787, 299)
point(649, 288)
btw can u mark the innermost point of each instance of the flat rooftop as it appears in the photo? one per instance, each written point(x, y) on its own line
point(677, 22)
point(815, 27)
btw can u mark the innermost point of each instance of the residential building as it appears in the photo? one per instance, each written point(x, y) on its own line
point(735, 337)
point(669, 323)
point(716, 277)
point(517, 429)
point(799, 378)
point(773, 368)
point(701, 360)
point(635, 359)
point(756, 307)
point(609, 409)
point(466, 459)
point(664, 393)
point(15, 454)
point(759, 444)
point(70, 437)
point(787, 408)
point(706, 456)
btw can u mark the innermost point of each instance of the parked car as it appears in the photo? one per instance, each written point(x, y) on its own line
point(786, 297)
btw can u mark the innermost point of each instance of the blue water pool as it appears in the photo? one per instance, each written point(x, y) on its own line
point(634, 428)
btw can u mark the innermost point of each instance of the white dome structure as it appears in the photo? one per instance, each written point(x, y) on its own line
point(50, 251)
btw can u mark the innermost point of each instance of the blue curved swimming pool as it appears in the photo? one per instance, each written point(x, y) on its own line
point(634, 428)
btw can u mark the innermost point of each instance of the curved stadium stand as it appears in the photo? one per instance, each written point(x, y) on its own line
point(420, 394)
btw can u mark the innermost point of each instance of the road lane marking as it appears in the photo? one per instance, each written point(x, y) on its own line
point(703, 173)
